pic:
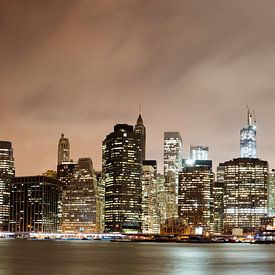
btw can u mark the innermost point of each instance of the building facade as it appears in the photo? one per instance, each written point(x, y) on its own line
point(195, 195)
point(79, 206)
point(6, 177)
point(140, 128)
point(122, 171)
point(198, 152)
point(34, 204)
point(245, 193)
point(63, 150)
point(150, 208)
point(271, 193)
point(248, 144)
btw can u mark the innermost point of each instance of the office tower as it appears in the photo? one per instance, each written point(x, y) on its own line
point(34, 201)
point(271, 194)
point(122, 169)
point(218, 192)
point(63, 150)
point(245, 193)
point(79, 200)
point(198, 152)
point(150, 209)
point(195, 203)
point(140, 128)
point(6, 177)
point(173, 152)
point(248, 137)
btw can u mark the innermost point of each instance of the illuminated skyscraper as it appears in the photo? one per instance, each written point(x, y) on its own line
point(34, 204)
point(271, 194)
point(195, 202)
point(245, 193)
point(198, 152)
point(122, 170)
point(173, 154)
point(79, 200)
point(140, 128)
point(248, 137)
point(6, 177)
point(63, 150)
point(150, 208)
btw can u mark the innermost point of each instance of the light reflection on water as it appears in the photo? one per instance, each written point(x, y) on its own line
point(97, 257)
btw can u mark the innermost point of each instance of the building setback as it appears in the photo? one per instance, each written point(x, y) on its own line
point(34, 204)
point(122, 170)
point(245, 193)
point(6, 177)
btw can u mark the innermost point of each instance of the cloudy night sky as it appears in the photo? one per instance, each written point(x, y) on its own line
point(79, 67)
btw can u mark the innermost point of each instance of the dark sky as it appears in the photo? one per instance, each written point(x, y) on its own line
point(79, 67)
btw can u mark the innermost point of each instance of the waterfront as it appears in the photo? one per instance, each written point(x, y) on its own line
point(98, 257)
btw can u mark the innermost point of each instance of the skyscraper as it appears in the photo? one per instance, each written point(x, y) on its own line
point(173, 154)
point(195, 203)
point(271, 194)
point(198, 152)
point(140, 128)
point(245, 193)
point(122, 170)
point(150, 208)
point(63, 150)
point(79, 200)
point(6, 177)
point(34, 204)
point(248, 137)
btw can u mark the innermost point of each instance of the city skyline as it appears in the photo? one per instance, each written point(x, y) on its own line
point(79, 67)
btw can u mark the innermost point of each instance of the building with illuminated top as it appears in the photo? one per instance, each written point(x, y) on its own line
point(245, 193)
point(198, 152)
point(122, 171)
point(248, 145)
point(63, 150)
point(6, 177)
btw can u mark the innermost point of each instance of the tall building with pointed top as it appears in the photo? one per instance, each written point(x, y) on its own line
point(248, 137)
point(140, 128)
point(122, 172)
point(63, 150)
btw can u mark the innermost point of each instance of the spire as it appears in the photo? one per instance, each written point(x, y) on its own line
point(249, 117)
point(139, 120)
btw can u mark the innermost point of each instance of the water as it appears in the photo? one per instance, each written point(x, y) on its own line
point(98, 257)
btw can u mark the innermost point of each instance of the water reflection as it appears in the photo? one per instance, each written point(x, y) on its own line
point(96, 257)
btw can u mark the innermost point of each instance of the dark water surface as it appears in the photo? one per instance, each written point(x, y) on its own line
point(98, 257)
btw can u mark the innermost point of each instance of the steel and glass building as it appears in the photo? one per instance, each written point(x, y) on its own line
point(248, 145)
point(79, 209)
point(63, 150)
point(245, 193)
point(195, 203)
point(6, 177)
point(150, 207)
point(34, 204)
point(198, 152)
point(122, 171)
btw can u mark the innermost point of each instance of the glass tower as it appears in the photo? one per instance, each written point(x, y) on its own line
point(122, 171)
point(248, 137)
point(6, 177)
